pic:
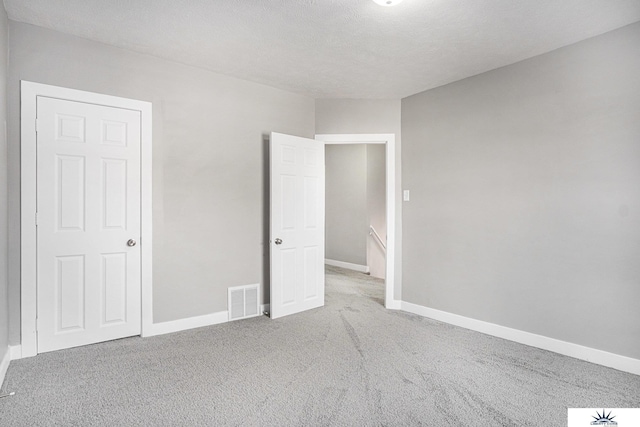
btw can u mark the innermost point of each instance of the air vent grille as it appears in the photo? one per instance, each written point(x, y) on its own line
point(244, 302)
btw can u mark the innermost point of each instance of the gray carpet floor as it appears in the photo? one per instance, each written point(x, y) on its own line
point(350, 363)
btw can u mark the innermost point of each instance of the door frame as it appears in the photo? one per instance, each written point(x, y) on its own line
point(389, 140)
point(28, 202)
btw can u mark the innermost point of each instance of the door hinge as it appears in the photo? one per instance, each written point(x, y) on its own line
point(36, 218)
point(37, 126)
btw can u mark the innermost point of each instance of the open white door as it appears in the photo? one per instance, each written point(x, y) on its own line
point(297, 224)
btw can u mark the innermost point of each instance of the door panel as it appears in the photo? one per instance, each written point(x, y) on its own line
point(114, 178)
point(69, 196)
point(297, 220)
point(69, 293)
point(114, 288)
point(88, 198)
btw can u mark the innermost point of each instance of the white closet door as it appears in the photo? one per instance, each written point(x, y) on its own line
point(88, 223)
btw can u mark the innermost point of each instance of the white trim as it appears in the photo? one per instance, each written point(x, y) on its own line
point(146, 224)
point(395, 304)
point(15, 352)
point(28, 281)
point(4, 365)
point(188, 323)
point(389, 140)
point(347, 265)
point(622, 363)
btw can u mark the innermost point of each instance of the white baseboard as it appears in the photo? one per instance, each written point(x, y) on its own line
point(347, 265)
point(188, 323)
point(395, 304)
point(4, 365)
point(15, 352)
point(616, 361)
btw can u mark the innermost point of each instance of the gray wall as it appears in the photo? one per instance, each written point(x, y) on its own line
point(346, 203)
point(208, 160)
point(4, 288)
point(525, 201)
point(368, 116)
point(376, 207)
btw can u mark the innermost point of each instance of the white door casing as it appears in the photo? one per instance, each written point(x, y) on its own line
point(389, 140)
point(88, 226)
point(296, 224)
point(113, 310)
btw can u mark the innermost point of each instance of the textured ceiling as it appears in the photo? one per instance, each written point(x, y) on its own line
point(335, 48)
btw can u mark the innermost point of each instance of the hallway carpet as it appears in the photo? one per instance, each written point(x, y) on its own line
point(350, 363)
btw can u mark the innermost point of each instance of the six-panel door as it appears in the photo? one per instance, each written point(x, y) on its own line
point(88, 223)
point(297, 221)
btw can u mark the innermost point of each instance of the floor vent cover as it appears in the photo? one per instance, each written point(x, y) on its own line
point(244, 302)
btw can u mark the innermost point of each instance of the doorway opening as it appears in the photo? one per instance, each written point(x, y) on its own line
point(355, 221)
point(379, 250)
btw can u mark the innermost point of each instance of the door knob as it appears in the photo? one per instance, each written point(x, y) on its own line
point(278, 241)
point(131, 242)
